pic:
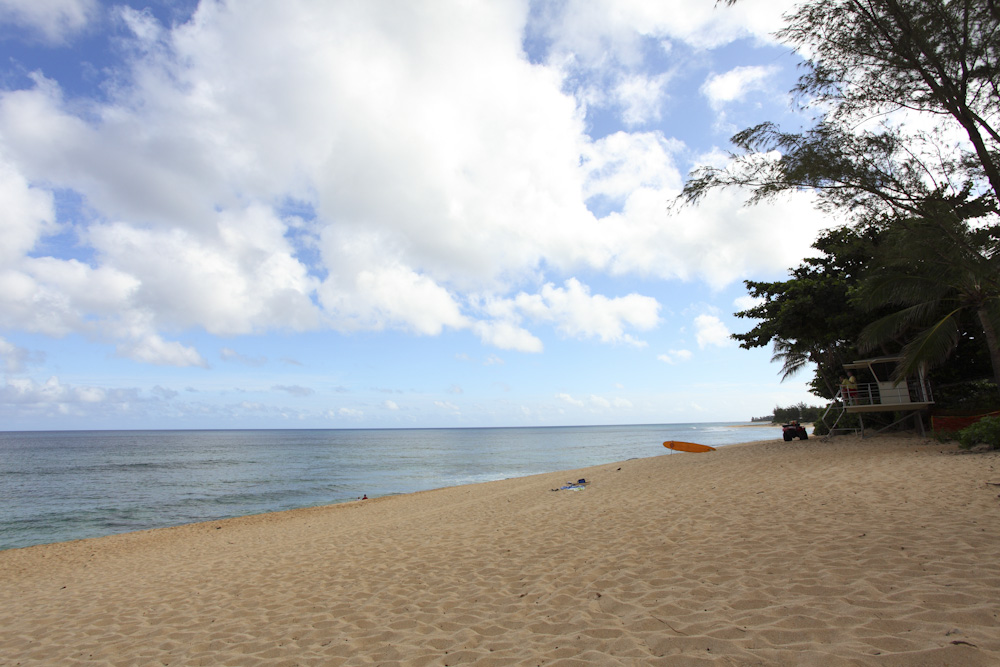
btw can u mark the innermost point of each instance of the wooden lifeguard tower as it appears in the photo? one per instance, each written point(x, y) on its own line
point(876, 391)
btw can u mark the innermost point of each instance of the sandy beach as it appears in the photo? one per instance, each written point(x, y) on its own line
point(884, 551)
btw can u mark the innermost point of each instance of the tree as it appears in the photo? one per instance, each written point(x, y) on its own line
point(871, 58)
point(811, 317)
point(938, 285)
point(874, 68)
point(932, 56)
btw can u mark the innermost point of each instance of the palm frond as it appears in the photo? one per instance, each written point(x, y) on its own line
point(792, 360)
point(900, 289)
point(931, 346)
point(892, 326)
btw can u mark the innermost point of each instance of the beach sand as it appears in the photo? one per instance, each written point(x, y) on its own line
point(884, 551)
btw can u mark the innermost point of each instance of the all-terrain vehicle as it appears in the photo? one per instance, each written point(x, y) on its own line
point(792, 430)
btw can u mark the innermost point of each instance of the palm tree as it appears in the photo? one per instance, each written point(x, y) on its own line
point(942, 269)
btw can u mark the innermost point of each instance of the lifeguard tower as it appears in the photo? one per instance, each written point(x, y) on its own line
point(876, 391)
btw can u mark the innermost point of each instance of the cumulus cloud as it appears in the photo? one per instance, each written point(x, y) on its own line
point(709, 330)
point(675, 356)
point(507, 336)
point(55, 397)
point(734, 85)
point(52, 21)
point(579, 314)
point(566, 398)
point(235, 276)
point(641, 97)
point(13, 358)
point(589, 32)
point(390, 405)
point(433, 187)
point(746, 302)
point(26, 216)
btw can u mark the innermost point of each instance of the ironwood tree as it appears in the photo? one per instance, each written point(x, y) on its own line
point(906, 96)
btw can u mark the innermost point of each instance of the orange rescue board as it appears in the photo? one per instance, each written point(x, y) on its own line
point(687, 446)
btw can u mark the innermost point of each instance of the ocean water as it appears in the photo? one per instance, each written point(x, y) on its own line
point(67, 485)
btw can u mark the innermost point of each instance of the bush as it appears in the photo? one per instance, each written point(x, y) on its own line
point(977, 396)
point(801, 412)
point(984, 431)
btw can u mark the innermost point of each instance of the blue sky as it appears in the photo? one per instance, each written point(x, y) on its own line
point(323, 214)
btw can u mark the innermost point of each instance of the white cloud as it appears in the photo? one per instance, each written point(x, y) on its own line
point(734, 85)
point(709, 330)
point(595, 403)
point(394, 296)
point(52, 20)
point(746, 302)
point(507, 336)
point(718, 241)
point(27, 214)
point(390, 405)
point(675, 356)
point(14, 359)
point(236, 276)
point(599, 402)
point(566, 398)
point(593, 31)
point(579, 314)
point(621, 163)
point(447, 405)
point(51, 393)
point(353, 413)
point(152, 349)
point(229, 354)
point(640, 97)
point(439, 181)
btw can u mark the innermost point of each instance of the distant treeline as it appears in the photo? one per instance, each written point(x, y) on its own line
point(800, 411)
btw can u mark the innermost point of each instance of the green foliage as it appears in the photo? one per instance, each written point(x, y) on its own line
point(937, 57)
point(975, 396)
point(985, 431)
point(811, 318)
point(800, 412)
point(933, 291)
point(936, 288)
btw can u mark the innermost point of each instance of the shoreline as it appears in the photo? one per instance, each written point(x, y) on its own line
point(884, 552)
point(99, 487)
